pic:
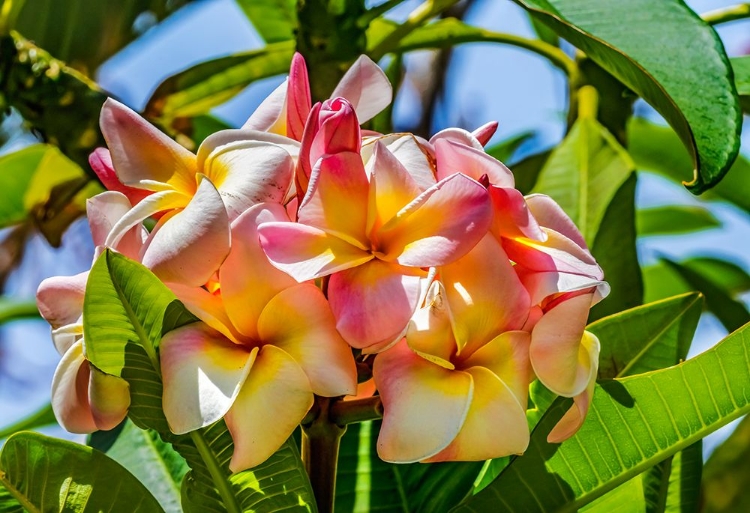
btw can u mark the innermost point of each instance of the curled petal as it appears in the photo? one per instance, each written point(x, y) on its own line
point(103, 212)
point(556, 254)
point(366, 87)
point(141, 152)
point(336, 200)
point(207, 307)
point(158, 202)
point(512, 216)
point(441, 225)
point(453, 157)
point(299, 321)
point(247, 293)
point(560, 360)
point(100, 161)
point(495, 424)
point(542, 285)
point(485, 295)
point(202, 373)
point(298, 98)
point(109, 397)
point(458, 135)
point(413, 155)
point(305, 252)
point(337, 130)
point(573, 419)
point(485, 132)
point(273, 401)
point(424, 405)
point(60, 299)
point(373, 302)
point(189, 246)
point(245, 171)
point(430, 333)
point(270, 116)
point(550, 215)
point(70, 392)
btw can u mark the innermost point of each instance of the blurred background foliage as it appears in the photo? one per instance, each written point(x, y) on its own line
point(611, 151)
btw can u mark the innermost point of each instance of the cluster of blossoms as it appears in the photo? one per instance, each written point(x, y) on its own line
point(300, 241)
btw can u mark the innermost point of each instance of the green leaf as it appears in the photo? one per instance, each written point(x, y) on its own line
point(615, 251)
point(126, 312)
point(12, 309)
point(44, 416)
point(504, 150)
point(153, 462)
point(583, 174)
point(198, 89)
point(366, 483)
point(726, 476)
point(275, 20)
point(688, 80)
point(662, 281)
point(636, 422)
point(731, 312)
point(526, 171)
point(674, 219)
point(741, 67)
point(658, 149)
point(47, 474)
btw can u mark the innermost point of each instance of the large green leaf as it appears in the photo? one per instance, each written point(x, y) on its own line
point(658, 149)
point(366, 483)
point(741, 67)
point(204, 86)
point(636, 422)
point(726, 477)
point(583, 174)
point(47, 474)
point(674, 219)
point(504, 150)
point(669, 56)
point(662, 281)
point(275, 20)
point(44, 416)
point(126, 311)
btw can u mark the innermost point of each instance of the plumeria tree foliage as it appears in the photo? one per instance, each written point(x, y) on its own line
point(315, 312)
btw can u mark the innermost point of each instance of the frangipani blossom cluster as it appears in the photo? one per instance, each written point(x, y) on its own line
point(300, 241)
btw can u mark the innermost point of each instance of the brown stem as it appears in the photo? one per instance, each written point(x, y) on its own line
point(320, 453)
point(358, 410)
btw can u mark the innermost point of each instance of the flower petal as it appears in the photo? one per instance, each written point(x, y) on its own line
point(273, 401)
point(573, 419)
point(458, 135)
point(189, 246)
point(430, 333)
point(141, 152)
point(542, 285)
point(391, 187)
point(103, 212)
point(550, 215)
point(270, 116)
point(413, 155)
point(299, 321)
point(366, 87)
point(202, 373)
point(298, 98)
point(439, 226)
point(424, 405)
point(70, 384)
point(109, 397)
point(495, 425)
point(60, 299)
point(453, 157)
point(556, 254)
point(512, 216)
point(487, 303)
point(336, 199)
point(246, 293)
point(305, 252)
point(373, 302)
point(157, 202)
point(100, 161)
point(485, 132)
point(207, 307)
point(561, 361)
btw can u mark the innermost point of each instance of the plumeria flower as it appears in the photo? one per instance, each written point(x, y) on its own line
point(265, 345)
point(373, 230)
point(244, 166)
point(456, 387)
point(84, 399)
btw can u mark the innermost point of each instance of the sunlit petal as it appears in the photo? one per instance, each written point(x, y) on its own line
point(208, 307)
point(202, 373)
point(495, 425)
point(560, 360)
point(550, 215)
point(100, 161)
point(141, 152)
point(273, 401)
point(366, 87)
point(453, 157)
point(298, 98)
point(544, 284)
point(512, 216)
point(485, 132)
point(439, 226)
point(103, 211)
point(424, 405)
point(189, 246)
point(70, 386)
point(373, 302)
point(413, 155)
point(305, 252)
point(299, 321)
point(109, 397)
point(430, 333)
point(157, 202)
point(457, 135)
point(556, 254)
point(270, 116)
point(60, 298)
